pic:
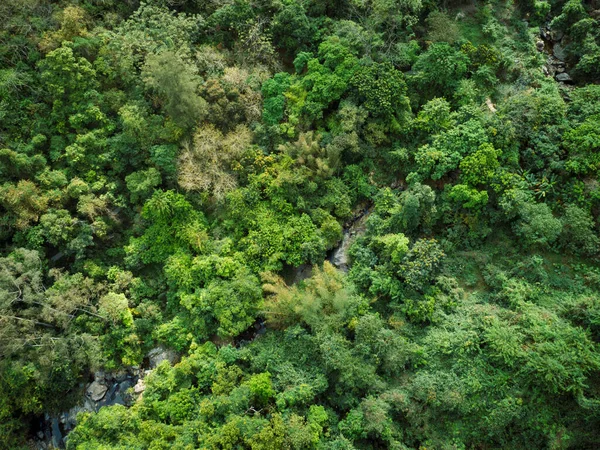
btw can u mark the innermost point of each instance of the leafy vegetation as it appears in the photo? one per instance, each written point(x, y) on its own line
point(164, 163)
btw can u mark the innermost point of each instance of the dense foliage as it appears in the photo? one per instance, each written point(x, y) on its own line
point(164, 163)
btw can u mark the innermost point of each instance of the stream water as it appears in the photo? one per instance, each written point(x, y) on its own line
point(356, 226)
point(49, 431)
point(553, 43)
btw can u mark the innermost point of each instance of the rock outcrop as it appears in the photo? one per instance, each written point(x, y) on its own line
point(356, 226)
point(106, 389)
point(553, 43)
point(160, 354)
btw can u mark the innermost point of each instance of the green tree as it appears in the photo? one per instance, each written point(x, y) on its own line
point(382, 91)
point(537, 224)
point(583, 143)
point(142, 184)
point(209, 161)
point(43, 349)
point(327, 76)
point(468, 197)
point(479, 168)
point(172, 225)
point(177, 84)
point(23, 203)
point(439, 69)
point(578, 231)
point(319, 163)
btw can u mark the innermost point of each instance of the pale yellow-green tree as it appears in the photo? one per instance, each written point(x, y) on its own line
point(207, 162)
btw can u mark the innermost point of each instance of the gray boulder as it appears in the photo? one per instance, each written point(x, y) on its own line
point(160, 354)
point(559, 52)
point(120, 376)
point(556, 35)
point(96, 391)
point(563, 77)
point(539, 45)
point(140, 387)
point(100, 376)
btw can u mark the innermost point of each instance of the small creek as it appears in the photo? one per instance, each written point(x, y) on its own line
point(338, 256)
point(102, 389)
point(49, 431)
point(553, 43)
point(121, 388)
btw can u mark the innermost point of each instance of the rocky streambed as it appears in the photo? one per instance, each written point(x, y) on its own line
point(122, 387)
point(354, 227)
point(125, 386)
point(553, 42)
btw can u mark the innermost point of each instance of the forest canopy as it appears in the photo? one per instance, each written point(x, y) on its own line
point(299, 224)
